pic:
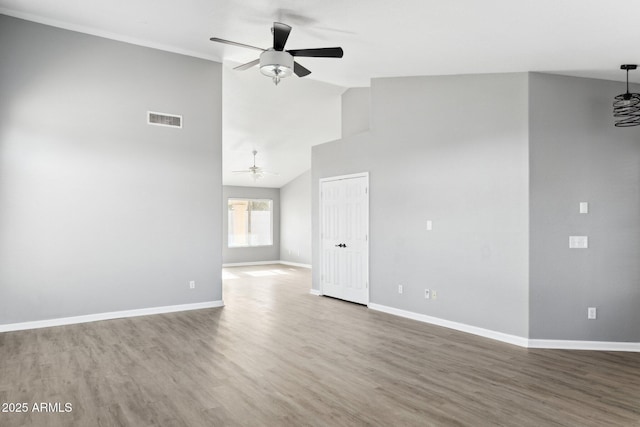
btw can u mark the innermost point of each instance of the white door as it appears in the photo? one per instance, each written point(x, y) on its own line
point(344, 240)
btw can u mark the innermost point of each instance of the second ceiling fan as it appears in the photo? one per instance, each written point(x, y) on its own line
point(256, 172)
point(278, 63)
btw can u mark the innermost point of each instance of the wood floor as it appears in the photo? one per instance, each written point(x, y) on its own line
point(278, 356)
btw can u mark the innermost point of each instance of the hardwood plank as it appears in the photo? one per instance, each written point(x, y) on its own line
point(277, 356)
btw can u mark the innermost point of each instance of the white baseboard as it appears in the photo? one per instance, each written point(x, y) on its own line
point(585, 345)
point(315, 292)
point(248, 264)
point(108, 316)
point(510, 339)
point(487, 333)
point(295, 264)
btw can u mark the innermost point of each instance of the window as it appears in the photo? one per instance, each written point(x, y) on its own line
point(250, 222)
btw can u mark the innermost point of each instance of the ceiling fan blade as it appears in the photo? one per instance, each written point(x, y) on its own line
point(280, 35)
point(247, 65)
point(300, 70)
point(245, 171)
point(323, 52)
point(216, 39)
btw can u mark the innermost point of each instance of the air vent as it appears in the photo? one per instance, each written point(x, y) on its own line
point(163, 119)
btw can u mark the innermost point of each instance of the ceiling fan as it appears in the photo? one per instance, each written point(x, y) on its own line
point(278, 63)
point(256, 171)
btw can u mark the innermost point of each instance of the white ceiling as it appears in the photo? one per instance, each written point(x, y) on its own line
point(588, 38)
point(280, 122)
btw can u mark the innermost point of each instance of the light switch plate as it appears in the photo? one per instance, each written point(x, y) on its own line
point(429, 225)
point(584, 207)
point(578, 242)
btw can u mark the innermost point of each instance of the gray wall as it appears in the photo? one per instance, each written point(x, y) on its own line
point(99, 211)
point(356, 112)
point(453, 150)
point(295, 220)
point(256, 254)
point(577, 155)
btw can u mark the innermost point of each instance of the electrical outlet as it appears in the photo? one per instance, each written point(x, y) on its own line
point(578, 242)
point(591, 313)
point(427, 294)
point(434, 294)
point(192, 284)
point(400, 289)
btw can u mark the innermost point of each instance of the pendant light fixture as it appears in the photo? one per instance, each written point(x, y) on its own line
point(626, 108)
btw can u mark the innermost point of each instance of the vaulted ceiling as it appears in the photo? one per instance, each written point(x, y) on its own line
point(588, 38)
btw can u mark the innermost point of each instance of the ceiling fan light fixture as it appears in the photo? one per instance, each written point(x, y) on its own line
point(276, 64)
point(256, 172)
point(626, 107)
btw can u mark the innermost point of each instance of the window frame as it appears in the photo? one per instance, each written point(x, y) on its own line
point(249, 200)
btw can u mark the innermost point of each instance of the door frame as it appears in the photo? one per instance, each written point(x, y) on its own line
point(320, 227)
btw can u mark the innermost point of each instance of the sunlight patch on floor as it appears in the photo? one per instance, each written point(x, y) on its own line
point(265, 273)
point(226, 275)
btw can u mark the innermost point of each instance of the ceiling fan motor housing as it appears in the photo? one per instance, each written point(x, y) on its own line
point(275, 63)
